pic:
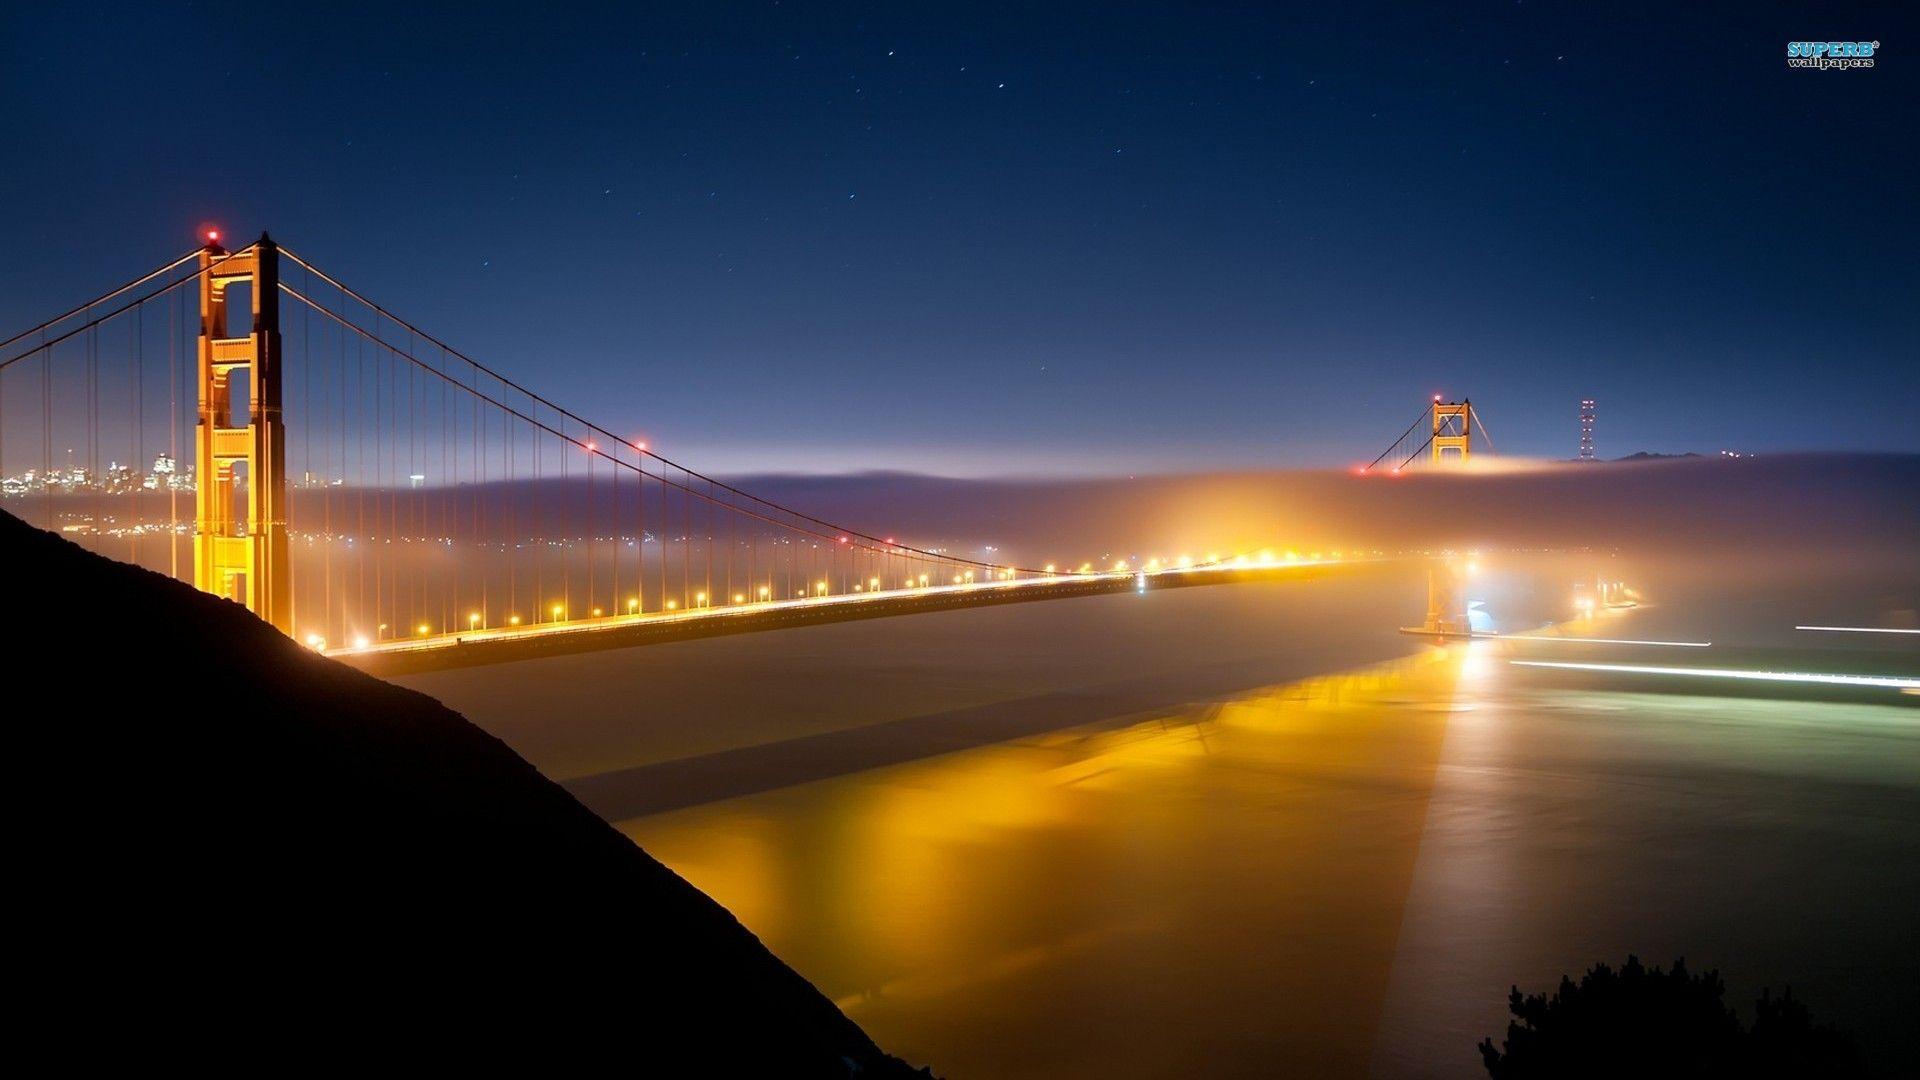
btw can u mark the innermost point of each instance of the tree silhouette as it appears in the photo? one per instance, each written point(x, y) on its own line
point(1641, 1021)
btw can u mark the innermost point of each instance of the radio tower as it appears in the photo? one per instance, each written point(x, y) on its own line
point(1586, 429)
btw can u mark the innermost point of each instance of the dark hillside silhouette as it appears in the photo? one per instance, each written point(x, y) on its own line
point(1641, 1021)
point(226, 846)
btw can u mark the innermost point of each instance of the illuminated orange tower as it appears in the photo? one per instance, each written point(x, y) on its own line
point(243, 558)
point(1452, 428)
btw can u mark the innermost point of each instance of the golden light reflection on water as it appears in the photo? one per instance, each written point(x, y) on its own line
point(1224, 880)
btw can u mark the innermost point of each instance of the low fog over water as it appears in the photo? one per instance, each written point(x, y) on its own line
point(1854, 506)
point(1253, 829)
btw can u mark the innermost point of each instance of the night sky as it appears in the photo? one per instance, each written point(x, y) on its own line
point(977, 240)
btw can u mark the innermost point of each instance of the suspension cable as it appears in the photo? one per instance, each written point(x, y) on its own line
point(645, 453)
point(1475, 413)
point(1398, 441)
point(122, 309)
point(686, 486)
point(1421, 450)
point(102, 298)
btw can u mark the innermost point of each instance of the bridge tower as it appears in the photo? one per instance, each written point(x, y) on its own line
point(1446, 607)
point(242, 557)
point(1452, 428)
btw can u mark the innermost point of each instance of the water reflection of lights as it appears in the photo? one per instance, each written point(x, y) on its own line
point(1892, 682)
point(926, 886)
point(1477, 662)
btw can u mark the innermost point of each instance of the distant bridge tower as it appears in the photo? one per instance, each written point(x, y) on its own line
point(1452, 429)
point(1446, 604)
point(242, 558)
point(1586, 429)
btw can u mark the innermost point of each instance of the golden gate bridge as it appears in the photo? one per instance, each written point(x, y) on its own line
point(390, 500)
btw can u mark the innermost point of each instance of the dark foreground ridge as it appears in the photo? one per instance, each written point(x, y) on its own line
point(230, 845)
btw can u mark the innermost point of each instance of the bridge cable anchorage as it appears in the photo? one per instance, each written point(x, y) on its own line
point(593, 428)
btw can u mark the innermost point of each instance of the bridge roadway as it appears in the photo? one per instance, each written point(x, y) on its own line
point(503, 644)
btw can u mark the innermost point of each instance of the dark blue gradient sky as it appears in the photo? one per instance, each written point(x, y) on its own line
point(1041, 240)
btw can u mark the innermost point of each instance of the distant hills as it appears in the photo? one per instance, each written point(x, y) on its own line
point(226, 847)
point(1641, 455)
